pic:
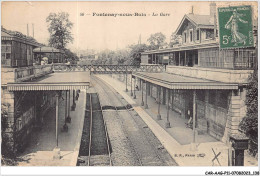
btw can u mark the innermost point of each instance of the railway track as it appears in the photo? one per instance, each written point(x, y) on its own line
point(140, 151)
point(95, 148)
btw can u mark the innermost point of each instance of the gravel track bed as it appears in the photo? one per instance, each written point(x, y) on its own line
point(145, 150)
point(122, 150)
point(99, 143)
point(132, 142)
point(158, 148)
point(84, 144)
point(99, 150)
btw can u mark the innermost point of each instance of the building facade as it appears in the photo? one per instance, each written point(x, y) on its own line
point(20, 107)
point(17, 49)
point(52, 54)
point(198, 55)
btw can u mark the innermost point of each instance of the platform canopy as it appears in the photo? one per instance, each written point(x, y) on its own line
point(54, 81)
point(173, 81)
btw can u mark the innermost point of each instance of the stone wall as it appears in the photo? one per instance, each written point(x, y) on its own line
point(222, 75)
point(236, 113)
point(10, 75)
point(20, 125)
point(7, 100)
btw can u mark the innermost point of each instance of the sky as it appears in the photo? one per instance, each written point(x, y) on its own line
point(99, 32)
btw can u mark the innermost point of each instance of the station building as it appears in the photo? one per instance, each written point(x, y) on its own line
point(25, 109)
point(54, 55)
point(17, 49)
point(218, 77)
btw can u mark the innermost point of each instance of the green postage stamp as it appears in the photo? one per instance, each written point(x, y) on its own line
point(235, 27)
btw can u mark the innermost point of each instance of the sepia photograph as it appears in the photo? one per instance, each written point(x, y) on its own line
point(120, 83)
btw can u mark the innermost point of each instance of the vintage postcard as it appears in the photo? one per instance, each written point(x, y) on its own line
point(119, 83)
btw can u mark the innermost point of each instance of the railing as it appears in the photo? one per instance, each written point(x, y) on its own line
point(228, 65)
point(26, 73)
point(108, 69)
point(224, 75)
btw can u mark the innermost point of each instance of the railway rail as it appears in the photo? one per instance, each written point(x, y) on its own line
point(143, 160)
point(98, 151)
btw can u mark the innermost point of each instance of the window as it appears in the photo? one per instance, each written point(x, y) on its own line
point(198, 35)
point(209, 34)
point(8, 55)
point(185, 37)
point(244, 58)
point(6, 51)
point(191, 36)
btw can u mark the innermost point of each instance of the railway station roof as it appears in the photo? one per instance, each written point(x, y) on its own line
point(184, 47)
point(173, 81)
point(54, 81)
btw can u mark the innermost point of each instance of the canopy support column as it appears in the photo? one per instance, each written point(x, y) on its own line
point(148, 90)
point(73, 101)
point(126, 83)
point(77, 96)
point(65, 126)
point(146, 87)
point(172, 99)
point(157, 94)
point(68, 119)
point(194, 115)
point(35, 110)
point(185, 59)
point(159, 104)
point(131, 85)
point(193, 146)
point(57, 119)
point(179, 58)
point(134, 88)
point(56, 150)
point(164, 95)
point(142, 87)
point(167, 124)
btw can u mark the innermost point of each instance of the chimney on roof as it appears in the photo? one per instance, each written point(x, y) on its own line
point(212, 9)
point(191, 10)
point(27, 30)
point(213, 19)
point(32, 30)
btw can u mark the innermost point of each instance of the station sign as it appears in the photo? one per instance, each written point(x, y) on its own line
point(235, 27)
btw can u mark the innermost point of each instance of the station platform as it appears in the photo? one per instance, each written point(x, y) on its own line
point(177, 139)
point(40, 150)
